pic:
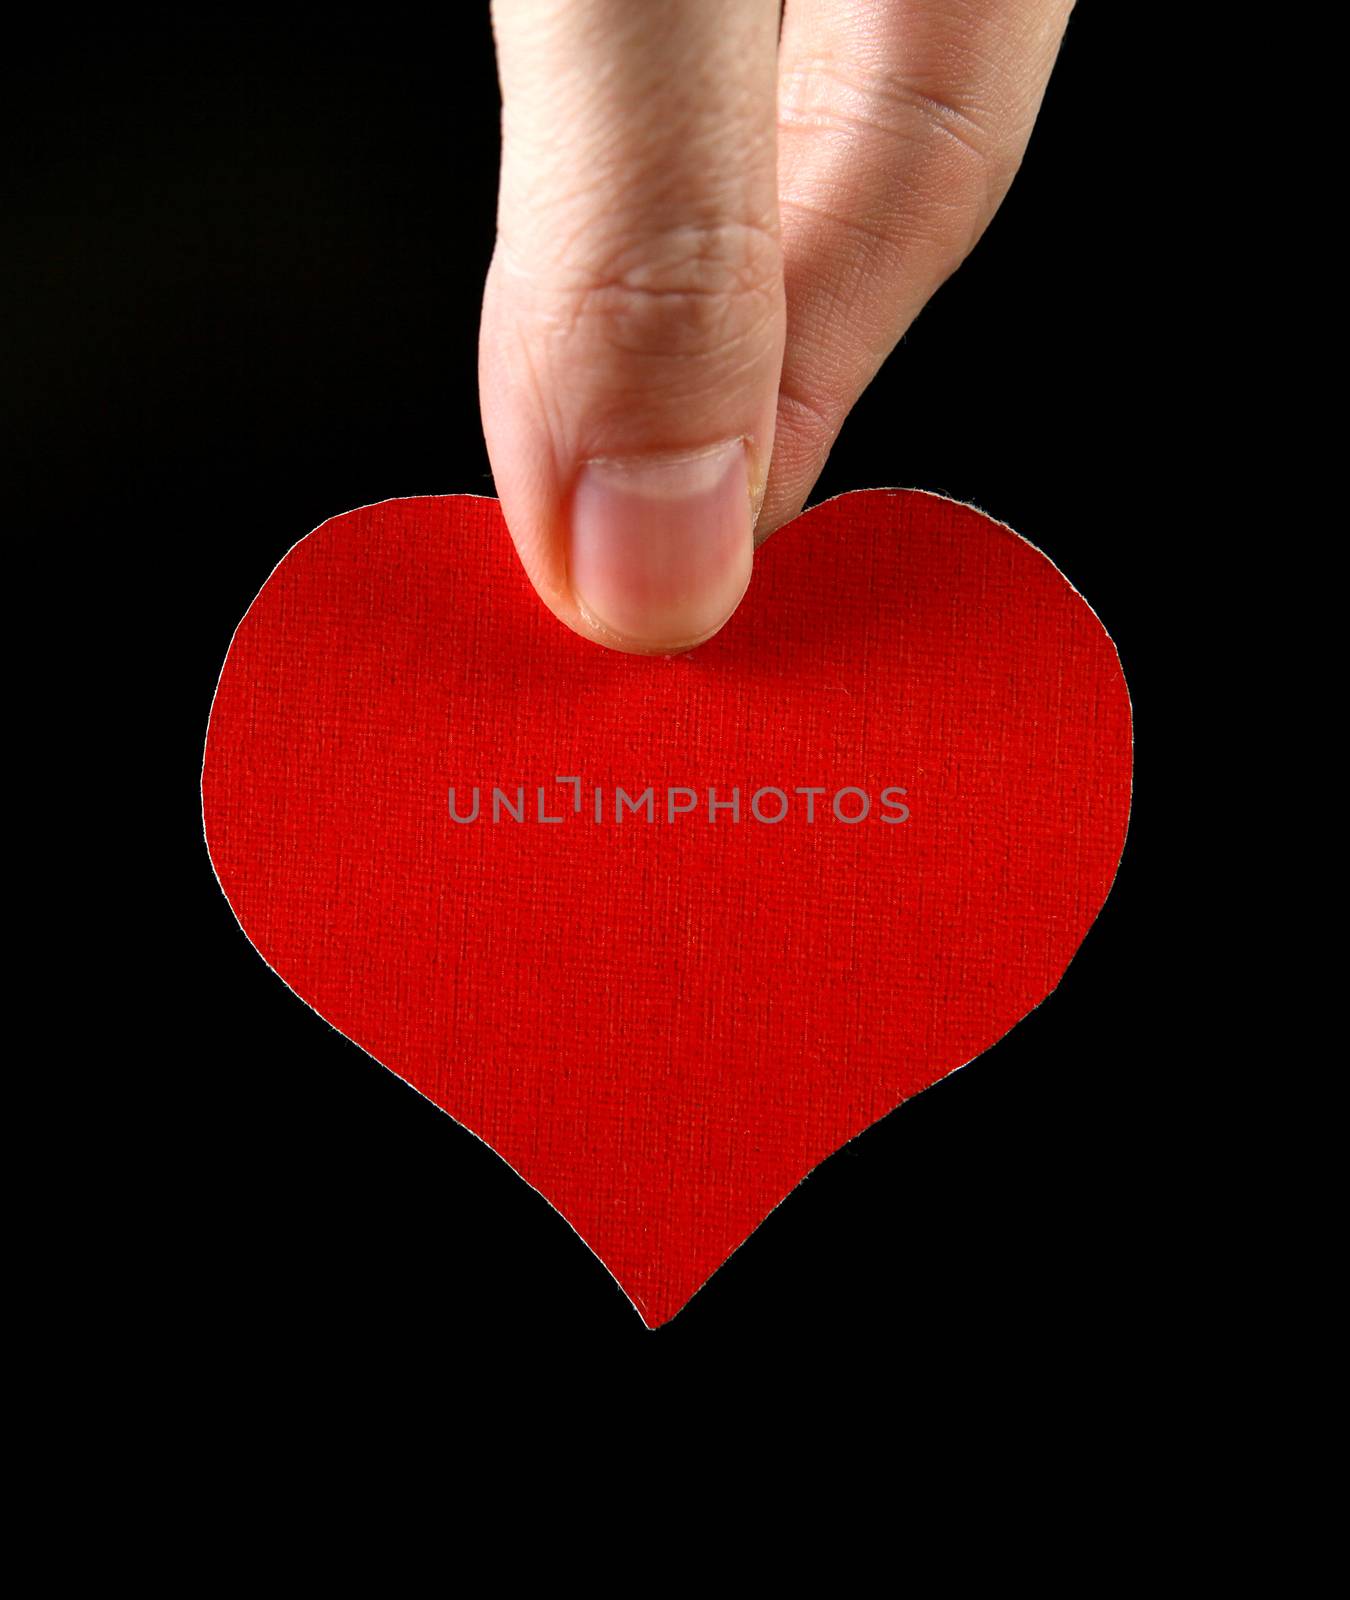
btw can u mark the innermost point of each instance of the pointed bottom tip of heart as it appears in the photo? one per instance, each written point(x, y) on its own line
point(657, 1307)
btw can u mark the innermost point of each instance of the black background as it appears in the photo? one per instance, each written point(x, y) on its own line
point(254, 254)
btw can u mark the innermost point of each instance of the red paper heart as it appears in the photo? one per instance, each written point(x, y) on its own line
point(663, 1025)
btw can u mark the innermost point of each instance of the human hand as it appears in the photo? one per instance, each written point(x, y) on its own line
point(708, 241)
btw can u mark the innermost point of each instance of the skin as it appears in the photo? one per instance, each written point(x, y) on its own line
point(709, 239)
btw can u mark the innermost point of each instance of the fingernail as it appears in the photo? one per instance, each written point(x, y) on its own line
point(661, 550)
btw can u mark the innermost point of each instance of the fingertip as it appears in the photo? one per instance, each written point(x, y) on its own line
point(660, 548)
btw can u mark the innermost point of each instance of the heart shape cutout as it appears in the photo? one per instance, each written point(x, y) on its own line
point(665, 1005)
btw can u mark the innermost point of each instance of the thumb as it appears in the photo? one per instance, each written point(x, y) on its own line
point(633, 317)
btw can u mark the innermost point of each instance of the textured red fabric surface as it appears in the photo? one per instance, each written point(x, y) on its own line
point(661, 1024)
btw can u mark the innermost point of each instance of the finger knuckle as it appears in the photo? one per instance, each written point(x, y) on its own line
point(689, 292)
point(910, 118)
